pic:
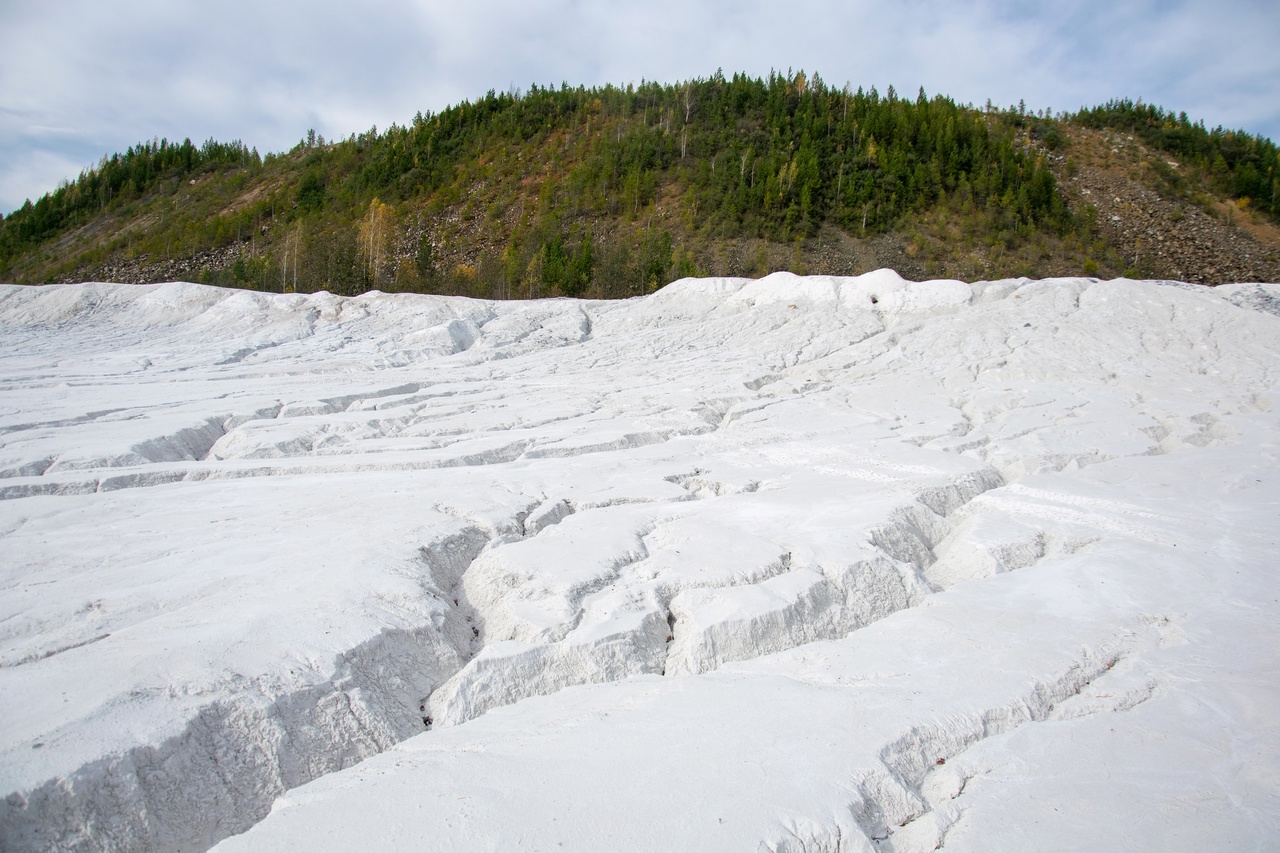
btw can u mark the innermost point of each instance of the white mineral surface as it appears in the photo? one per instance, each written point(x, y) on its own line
point(791, 564)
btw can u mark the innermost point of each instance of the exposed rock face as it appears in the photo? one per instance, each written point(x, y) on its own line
point(1164, 236)
point(184, 268)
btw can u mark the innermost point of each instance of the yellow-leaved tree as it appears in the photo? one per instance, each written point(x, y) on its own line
point(377, 240)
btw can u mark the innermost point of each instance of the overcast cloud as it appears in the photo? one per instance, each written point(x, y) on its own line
point(83, 78)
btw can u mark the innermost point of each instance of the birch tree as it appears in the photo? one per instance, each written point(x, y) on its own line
point(377, 239)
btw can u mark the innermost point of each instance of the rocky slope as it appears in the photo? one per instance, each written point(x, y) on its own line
point(1164, 234)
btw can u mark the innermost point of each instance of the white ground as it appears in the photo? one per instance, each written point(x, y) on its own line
point(790, 564)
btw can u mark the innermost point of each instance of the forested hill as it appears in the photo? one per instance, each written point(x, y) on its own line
point(615, 191)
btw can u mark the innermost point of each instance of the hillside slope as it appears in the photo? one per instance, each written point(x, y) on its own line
point(616, 191)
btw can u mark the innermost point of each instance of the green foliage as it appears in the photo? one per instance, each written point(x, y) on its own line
point(564, 271)
point(775, 158)
point(311, 192)
point(655, 260)
point(1049, 135)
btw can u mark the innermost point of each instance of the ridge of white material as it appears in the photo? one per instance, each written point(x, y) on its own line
point(788, 564)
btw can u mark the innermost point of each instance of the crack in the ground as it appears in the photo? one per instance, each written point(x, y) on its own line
point(792, 605)
point(922, 763)
point(257, 746)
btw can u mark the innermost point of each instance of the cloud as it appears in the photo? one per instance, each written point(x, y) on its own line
point(80, 79)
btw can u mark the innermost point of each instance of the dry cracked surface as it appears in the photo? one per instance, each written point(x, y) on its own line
point(788, 564)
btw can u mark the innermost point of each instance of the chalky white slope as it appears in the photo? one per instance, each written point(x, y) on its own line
point(788, 564)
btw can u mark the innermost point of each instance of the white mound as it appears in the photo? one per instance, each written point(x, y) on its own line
point(792, 564)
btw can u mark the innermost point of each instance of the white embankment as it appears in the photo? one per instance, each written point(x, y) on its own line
point(788, 564)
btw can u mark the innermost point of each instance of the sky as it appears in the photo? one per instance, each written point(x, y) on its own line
point(80, 79)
